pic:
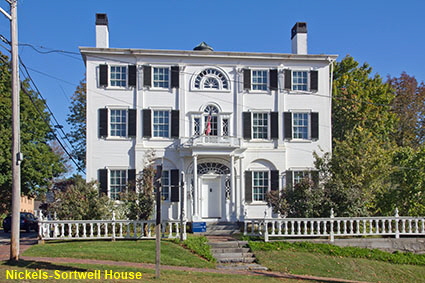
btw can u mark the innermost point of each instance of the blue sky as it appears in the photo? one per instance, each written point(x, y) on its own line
point(387, 34)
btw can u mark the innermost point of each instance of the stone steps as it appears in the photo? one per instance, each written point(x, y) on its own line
point(222, 228)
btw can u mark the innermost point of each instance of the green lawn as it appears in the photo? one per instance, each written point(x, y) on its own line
point(147, 274)
point(295, 259)
point(131, 251)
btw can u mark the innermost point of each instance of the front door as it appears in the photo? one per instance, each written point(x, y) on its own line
point(211, 198)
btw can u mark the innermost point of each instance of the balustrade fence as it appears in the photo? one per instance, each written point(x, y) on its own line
point(335, 227)
point(107, 229)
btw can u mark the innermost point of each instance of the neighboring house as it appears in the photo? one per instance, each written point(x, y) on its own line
point(232, 125)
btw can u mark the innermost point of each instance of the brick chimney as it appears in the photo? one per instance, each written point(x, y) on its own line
point(102, 31)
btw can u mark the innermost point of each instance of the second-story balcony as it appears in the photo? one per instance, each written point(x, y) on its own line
point(211, 141)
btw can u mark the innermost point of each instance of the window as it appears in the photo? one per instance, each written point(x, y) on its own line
point(117, 183)
point(161, 124)
point(299, 80)
point(260, 123)
point(118, 76)
point(197, 126)
point(300, 125)
point(225, 132)
point(161, 77)
point(165, 182)
point(118, 122)
point(259, 80)
point(211, 79)
point(300, 175)
point(260, 185)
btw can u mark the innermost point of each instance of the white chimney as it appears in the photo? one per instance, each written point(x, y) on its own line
point(102, 31)
point(299, 38)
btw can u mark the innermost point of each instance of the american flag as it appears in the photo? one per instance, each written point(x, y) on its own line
point(208, 126)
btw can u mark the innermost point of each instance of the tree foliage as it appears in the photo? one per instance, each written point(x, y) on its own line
point(77, 120)
point(40, 164)
point(409, 106)
point(74, 199)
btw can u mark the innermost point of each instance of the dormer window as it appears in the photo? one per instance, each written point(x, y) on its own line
point(211, 79)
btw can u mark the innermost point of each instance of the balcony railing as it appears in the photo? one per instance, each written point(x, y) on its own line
point(222, 141)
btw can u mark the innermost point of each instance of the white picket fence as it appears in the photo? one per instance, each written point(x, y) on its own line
point(107, 229)
point(335, 227)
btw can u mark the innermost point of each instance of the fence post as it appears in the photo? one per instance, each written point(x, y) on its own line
point(331, 232)
point(397, 232)
point(40, 228)
point(113, 226)
point(266, 231)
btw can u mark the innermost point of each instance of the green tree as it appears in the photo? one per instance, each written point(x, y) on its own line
point(77, 120)
point(74, 199)
point(409, 106)
point(40, 164)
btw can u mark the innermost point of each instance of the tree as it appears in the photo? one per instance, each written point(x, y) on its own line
point(77, 120)
point(77, 200)
point(409, 106)
point(40, 164)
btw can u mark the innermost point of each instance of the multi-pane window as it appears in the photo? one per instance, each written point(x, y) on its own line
point(165, 183)
point(260, 122)
point(161, 77)
point(118, 76)
point(197, 126)
point(299, 80)
point(225, 123)
point(118, 123)
point(259, 80)
point(300, 125)
point(260, 185)
point(117, 183)
point(161, 122)
point(299, 176)
point(212, 120)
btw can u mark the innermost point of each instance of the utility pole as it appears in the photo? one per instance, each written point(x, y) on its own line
point(16, 137)
point(182, 214)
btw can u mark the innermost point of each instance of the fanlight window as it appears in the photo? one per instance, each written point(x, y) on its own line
point(213, 167)
point(211, 79)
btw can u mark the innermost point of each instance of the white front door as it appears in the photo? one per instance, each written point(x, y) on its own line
point(211, 197)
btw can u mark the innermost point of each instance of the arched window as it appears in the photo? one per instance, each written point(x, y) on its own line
point(211, 120)
point(211, 79)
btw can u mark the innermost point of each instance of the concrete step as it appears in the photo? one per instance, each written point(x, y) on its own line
point(229, 244)
point(236, 260)
point(229, 250)
point(241, 266)
point(233, 255)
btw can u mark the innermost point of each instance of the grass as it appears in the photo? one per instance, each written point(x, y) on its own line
point(148, 275)
point(332, 250)
point(198, 245)
point(130, 251)
point(330, 261)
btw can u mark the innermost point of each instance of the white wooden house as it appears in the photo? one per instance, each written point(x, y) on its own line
point(232, 125)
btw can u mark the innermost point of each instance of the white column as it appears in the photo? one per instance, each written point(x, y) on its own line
point(232, 187)
point(195, 186)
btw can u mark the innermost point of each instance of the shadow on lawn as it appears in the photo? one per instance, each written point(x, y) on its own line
point(41, 265)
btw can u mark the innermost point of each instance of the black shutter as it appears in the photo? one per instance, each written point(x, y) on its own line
point(132, 75)
point(314, 80)
point(175, 82)
point(274, 125)
point(247, 79)
point(288, 79)
point(246, 119)
point(147, 128)
point(131, 179)
point(175, 123)
point(314, 120)
point(147, 74)
point(315, 178)
point(273, 79)
point(288, 179)
point(132, 122)
point(103, 123)
point(287, 125)
point(248, 186)
point(103, 75)
point(274, 180)
point(175, 196)
point(103, 181)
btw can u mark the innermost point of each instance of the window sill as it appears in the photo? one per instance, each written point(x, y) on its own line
point(117, 88)
point(160, 139)
point(118, 139)
point(258, 203)
point(300, 141)
point(258, 92)
point(301, 92)
point(159, 89)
